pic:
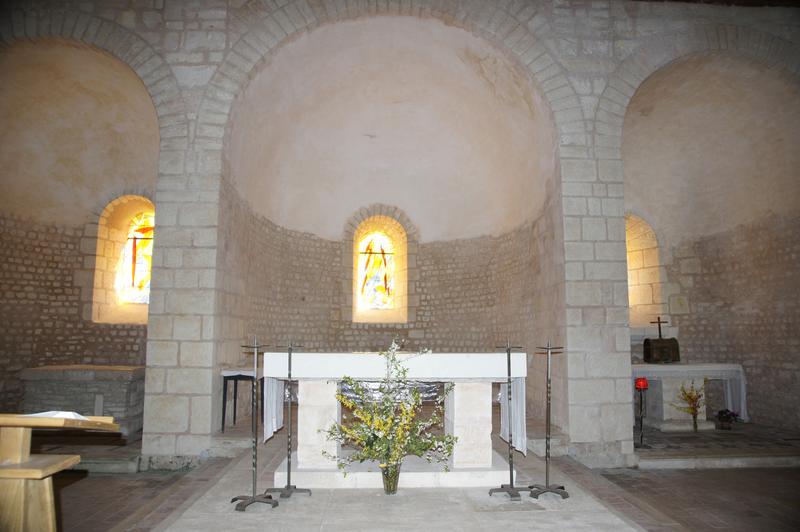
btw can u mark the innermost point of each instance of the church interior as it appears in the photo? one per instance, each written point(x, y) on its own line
point(184, 179)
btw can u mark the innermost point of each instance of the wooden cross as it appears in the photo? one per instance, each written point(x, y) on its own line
point(659, 321)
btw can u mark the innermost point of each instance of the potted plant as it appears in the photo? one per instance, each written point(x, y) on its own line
point(385, 425)
point(692, 399)
point(727, 418)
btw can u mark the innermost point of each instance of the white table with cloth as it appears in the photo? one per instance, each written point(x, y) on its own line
point(468, 408)
point(663, 393)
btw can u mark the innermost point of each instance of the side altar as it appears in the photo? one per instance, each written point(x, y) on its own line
point(468, 415)
point(663, 393)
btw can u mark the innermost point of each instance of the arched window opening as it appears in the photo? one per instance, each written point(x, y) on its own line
point(134, 270)
point(646, 295)
point(380, 271)
point(122, 263)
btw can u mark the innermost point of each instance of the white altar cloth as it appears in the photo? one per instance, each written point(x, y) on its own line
point(449, 367)
point(274, 395)
point(467, 412)
point(732, 375)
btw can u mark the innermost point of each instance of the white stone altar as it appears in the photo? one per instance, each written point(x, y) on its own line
point(468, 415)
point(665, 383)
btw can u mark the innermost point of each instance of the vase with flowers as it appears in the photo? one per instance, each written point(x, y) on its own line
point(385, 424)
point(691, 401)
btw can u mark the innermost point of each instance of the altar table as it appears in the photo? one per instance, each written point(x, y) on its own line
point(468, 408)
point(26, 483)
point(662, 415)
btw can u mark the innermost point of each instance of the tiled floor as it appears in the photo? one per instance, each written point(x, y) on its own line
point(717, 499)
point(103, 502)
point(98, 502)
point(411, 509)
point(739, 499)
point(745, 439)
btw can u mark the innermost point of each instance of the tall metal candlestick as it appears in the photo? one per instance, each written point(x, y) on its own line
point(538, 489)
point(247, 500)
point(289, 489)
point(512, 490)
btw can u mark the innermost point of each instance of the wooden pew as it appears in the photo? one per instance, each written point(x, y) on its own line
point(26, 483)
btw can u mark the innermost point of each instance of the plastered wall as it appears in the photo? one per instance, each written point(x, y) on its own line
point(78, 125)
point(402, 111)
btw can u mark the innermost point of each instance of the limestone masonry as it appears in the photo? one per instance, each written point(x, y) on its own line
point(545, 258)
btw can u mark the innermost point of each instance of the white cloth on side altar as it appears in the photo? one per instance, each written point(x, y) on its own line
point(732, 375)
point(520, 435)
point(274, 395)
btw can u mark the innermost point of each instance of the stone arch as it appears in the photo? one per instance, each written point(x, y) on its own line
point(508, 27)
point(398, 222)
point(124, 45)
point(652, 56)
point(663, 49)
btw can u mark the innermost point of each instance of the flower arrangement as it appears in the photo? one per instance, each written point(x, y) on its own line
point(693, 401)
point(386, 426)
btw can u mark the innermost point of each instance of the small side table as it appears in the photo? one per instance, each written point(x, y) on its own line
point(236, 375)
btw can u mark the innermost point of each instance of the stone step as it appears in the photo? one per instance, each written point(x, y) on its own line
point(558, 446)
point(415, 473)
point(229, 446)
point(559, 442)
point(108, 465)
point(717, 462)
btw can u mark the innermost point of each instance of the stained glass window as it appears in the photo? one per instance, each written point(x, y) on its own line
point(133, 274)
point(376, 272)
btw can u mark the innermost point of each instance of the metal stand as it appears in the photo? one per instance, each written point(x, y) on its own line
point(538, 489)
point(512, 490)
point(247, 500)
point(289, 489)
point(640, 419)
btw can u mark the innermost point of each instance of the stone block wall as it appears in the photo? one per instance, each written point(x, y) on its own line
point(296, 283)
point(41, 308)
point(472, 294)
point(89, 390)
point(742, 287)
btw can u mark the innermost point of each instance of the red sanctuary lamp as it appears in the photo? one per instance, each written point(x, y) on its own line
point(641, 385)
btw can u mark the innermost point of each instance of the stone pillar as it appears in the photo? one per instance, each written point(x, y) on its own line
point(468, 416)
point(598, 377)
point(317, 409)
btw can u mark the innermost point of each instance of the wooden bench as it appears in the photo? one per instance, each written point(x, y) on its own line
point(26, 482)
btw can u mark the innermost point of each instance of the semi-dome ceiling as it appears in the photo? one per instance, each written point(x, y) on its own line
point(710, 142)
point(395, 110)
point(78, 128)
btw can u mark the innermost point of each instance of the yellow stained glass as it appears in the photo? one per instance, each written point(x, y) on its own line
point(376, 272)
point(132, 282)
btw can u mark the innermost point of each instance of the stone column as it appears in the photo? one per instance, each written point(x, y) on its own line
point(317, 409)
point(468, 416)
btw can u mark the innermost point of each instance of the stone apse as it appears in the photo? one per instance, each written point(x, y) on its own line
point(508, 141)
